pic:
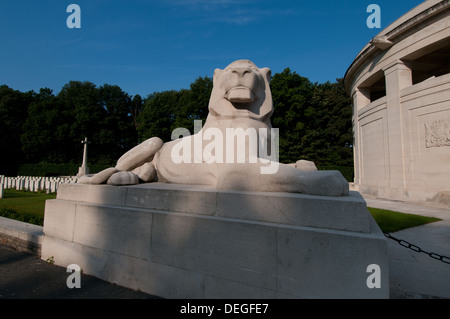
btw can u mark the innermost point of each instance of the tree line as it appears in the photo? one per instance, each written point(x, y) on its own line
point(314, 121)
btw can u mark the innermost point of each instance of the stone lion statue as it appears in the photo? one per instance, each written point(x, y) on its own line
point(240, 104)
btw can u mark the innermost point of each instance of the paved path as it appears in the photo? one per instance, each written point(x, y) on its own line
point(409, 208)
point(24, 276)
point(413, 274)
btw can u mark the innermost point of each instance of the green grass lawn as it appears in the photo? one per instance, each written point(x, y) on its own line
point(29, 207)
point(390, 221)
point(24, 206)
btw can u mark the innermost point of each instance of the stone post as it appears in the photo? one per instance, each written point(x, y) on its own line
point(84, 169)
point(1, 190)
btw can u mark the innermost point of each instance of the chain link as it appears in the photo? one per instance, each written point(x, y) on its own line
point(417, 249)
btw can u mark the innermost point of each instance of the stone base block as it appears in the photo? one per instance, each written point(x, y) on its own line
point(179, 241)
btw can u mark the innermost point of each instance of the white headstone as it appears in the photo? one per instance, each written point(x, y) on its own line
point(52, 187)
point(46, 184)
point(39, 184)
point(1, 190)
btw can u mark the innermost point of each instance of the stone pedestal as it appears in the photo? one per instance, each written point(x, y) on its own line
point(83, 171)
point(181, 241)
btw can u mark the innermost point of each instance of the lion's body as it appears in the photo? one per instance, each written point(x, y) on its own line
point(240, 100)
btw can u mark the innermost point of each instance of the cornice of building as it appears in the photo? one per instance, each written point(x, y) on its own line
point(387, 38)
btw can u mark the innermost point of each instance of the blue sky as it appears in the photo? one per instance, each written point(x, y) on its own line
point(156, 45)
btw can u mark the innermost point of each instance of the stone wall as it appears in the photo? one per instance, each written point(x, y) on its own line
point(20, 244)
point(21, 236)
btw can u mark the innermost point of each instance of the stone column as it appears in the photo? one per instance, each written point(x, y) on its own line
point(398, 76)
point(361, 98)
point(84, 169)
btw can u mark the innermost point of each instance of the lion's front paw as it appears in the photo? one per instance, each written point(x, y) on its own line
point(305, 165)
point(325, 183)
point(123, 178)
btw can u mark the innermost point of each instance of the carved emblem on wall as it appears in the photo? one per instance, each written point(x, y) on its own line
point(437, 134)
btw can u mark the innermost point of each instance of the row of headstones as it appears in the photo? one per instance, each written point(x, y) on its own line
point(33, 183)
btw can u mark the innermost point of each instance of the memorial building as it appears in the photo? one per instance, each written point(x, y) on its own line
point(400, 87)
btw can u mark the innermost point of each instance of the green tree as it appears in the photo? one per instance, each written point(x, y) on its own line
point(314, 120)
point(117, 131)
point(13, 112)
point(104, 115)
point(291, 95)
point(199, 94)
point(137, 104)
point(46, 130)
point(334, 119)
point(158, 115)
point(165, 111)
point(82, 98)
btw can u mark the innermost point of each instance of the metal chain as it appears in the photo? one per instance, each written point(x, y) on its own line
point(417, 249)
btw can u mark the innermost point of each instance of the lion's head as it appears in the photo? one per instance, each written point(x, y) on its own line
point(241, 90)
